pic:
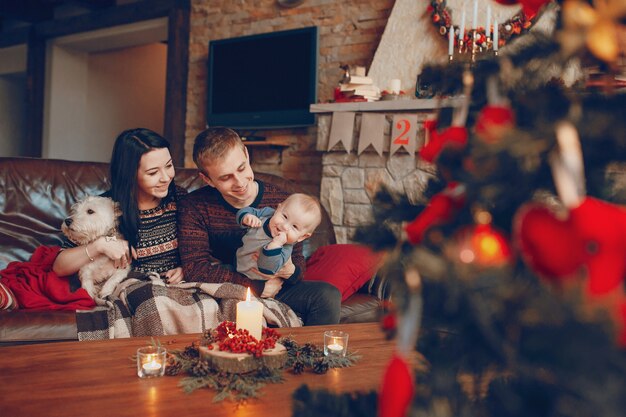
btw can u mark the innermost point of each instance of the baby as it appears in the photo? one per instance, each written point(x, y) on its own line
point(273, 233)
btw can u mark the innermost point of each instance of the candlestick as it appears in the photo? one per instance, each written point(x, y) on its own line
point(250, 316)
point(451, 40)
point(488, 24)
point(475, 17)
point(495, 35)
point(462, 27)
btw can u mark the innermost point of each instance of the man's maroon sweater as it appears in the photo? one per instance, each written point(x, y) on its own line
point(209, 236)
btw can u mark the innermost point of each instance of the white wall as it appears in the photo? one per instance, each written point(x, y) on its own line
point(13, 101)
point(100, 83)
point(94, 96)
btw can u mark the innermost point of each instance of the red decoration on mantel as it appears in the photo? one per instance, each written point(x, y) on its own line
point(397, 389)
point(440, 210)
point(593, 236)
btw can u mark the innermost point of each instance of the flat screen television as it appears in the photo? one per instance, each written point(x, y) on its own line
point(263, 81)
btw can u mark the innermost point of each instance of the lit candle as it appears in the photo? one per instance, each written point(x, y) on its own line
point(335, 348)
point(153, 367)
point(451, 40)
point(250, 316)
point(488, 24)
point(462, 28)
point(475, 16)
point(495, 35)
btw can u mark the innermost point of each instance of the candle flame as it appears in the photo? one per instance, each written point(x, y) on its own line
point(248, 295)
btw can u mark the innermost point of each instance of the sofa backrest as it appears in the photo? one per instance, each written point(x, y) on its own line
point(36, 195)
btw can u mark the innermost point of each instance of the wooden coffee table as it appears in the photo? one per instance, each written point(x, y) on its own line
point(100, 379)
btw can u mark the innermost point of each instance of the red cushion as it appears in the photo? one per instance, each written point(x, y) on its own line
point(346, 266)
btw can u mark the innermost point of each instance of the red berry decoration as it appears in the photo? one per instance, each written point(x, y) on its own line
point(231, 339)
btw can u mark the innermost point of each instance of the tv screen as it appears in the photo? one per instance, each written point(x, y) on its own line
point(263, 81)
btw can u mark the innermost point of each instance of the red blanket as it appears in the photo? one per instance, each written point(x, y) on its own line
point(36, 286)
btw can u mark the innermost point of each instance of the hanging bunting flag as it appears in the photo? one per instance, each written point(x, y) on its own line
point(341, 130)
point(372, 132)
point(403, 133)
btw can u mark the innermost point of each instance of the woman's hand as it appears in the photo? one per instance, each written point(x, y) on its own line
point(272, 287)
point(174, 276)
point(114, 249)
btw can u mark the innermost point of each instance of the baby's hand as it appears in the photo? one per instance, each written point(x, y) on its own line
point(280, 239)
point(251, 220)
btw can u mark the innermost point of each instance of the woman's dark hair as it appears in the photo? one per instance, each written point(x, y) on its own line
point(129, 147)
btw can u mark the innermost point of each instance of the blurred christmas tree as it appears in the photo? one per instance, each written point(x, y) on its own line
point(509, 280)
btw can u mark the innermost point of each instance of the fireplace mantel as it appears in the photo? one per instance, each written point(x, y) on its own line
point(386, 105)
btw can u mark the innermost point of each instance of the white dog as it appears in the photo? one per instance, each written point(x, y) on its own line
point(89, 219)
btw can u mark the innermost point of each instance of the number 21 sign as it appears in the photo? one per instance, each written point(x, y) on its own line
point(403, 133)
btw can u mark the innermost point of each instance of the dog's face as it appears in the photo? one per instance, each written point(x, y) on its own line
point(91, 218)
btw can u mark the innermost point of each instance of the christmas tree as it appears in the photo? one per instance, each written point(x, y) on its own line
point(509, 279)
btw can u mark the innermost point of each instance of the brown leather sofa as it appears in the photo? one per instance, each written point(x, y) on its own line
point(35, 196)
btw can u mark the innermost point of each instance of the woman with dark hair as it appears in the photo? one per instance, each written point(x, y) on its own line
point(142, 174)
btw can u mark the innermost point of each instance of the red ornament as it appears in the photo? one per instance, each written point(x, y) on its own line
point(494, 122)
point(484, 246)
point(397, 389)
point(453, 137)
point(440, 210)
point(593, 236)
point(530, 7)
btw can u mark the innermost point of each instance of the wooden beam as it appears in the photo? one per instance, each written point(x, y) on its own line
point(35, 84)
point(176, 83)
point(14, 37)
point(105, 18)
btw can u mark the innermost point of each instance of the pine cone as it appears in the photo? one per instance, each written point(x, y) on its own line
point(200, 368)
point(190, 352)
point(298, 367)
point(320, 366)
point(289, 343)
point(307, 349)
point(209, 337)
point(172, 366)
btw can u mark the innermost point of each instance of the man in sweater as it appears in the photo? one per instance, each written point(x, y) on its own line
point(209, 235)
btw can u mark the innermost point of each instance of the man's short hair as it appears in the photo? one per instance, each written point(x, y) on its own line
point(213, 143)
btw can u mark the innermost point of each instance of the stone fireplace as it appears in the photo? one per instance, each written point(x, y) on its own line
point(351, 180)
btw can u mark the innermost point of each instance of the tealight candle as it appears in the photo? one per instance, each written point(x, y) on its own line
point(335, 343)
point(250, 316)
point(394, 86)
point(152, 367)
point(150, 361)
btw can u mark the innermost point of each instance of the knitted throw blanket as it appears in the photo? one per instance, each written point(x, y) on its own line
point(150, 308)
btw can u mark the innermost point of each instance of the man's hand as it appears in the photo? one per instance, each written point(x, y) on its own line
point(174, 276)
point(272, 287)
point(251, 220)
point(285, 272)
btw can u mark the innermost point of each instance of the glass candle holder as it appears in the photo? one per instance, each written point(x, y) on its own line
point(150, 361)
point(335, 343)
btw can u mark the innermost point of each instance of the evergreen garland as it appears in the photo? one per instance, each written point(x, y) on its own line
point(241, 387)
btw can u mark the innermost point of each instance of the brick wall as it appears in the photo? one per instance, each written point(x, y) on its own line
point(349, 34)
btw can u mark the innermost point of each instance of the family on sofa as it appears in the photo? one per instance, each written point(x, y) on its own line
point(195, 257)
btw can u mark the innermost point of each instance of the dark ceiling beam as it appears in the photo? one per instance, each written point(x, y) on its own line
point(27, 10)
point(105, 18)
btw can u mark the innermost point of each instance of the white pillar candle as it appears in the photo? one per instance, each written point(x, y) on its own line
point(495, 35)
point(462, 27)
point(451, 41)
point(250, 316)
point(394, 86)
point(475, 16)
point(488, 24)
